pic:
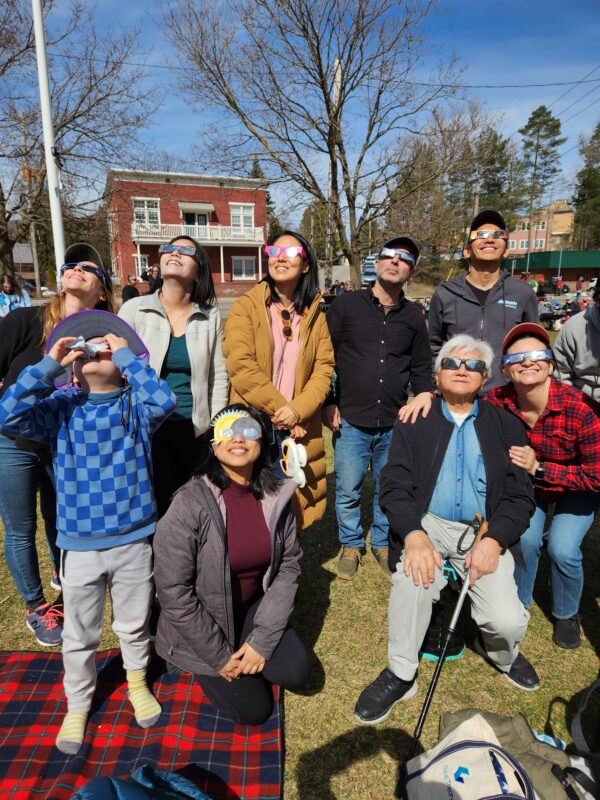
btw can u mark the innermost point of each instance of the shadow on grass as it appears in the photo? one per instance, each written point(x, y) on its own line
point(317, 768)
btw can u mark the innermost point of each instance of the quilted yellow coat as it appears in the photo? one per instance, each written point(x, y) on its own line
point(248, 348)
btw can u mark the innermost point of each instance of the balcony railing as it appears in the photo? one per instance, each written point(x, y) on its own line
point(205, 234)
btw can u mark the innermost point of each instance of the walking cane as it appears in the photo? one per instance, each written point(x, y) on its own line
point(480, 526)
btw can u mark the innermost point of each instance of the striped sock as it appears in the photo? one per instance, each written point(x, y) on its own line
point(145, 706)
point(72, 731)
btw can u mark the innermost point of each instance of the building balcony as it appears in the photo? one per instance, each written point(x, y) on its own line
point(205, 234)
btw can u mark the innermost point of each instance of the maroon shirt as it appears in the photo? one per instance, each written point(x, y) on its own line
point(248, 546)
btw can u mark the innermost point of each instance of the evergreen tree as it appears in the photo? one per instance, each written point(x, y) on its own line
point(586, 232)
point(274, 226)
point(541, 140)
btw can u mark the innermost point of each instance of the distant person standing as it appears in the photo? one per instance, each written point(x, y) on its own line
point(130, 290)
point(485, 301)
point(152, 278)
point(577, 350)
point(12, 296)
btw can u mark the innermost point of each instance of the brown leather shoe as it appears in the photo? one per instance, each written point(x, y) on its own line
point(381, 556)
point(348, 562)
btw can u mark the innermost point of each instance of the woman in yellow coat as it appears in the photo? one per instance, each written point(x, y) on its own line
point(280, 358)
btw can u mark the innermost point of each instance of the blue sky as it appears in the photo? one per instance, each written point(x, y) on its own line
point(512, 42)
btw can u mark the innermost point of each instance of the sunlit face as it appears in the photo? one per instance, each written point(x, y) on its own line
point(237, 453)
point(84, 285)
point(528, 373)
point(175, 265)
point(460, 382)
point(286, 270)
point(393, 271)
point(101, 367)
point(486, 250)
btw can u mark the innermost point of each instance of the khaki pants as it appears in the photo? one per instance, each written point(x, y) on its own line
point(495, 605)
point(85, 576)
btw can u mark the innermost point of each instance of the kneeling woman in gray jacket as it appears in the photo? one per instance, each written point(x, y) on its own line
point(226, 565)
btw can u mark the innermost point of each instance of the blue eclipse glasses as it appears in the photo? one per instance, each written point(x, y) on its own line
point(403, 255)
point(531, 355)
point(183, 250)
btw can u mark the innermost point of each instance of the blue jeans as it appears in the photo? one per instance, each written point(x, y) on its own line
point(21, 474)
point(355, 449)
point(573, 515)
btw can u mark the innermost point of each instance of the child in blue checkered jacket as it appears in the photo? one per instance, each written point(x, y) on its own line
point(100, 436)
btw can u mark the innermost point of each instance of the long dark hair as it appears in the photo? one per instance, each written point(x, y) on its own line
point(204, 288)
point(15, 287)
point(264, 479)
point(308, 285)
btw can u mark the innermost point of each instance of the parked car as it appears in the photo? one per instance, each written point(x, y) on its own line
point(549, 287)
point(367, 270)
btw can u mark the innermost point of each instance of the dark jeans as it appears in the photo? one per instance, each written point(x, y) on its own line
point(175, 454)
point(248, 700)
point(21, 475)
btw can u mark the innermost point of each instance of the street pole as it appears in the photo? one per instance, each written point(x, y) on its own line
point(52, 170)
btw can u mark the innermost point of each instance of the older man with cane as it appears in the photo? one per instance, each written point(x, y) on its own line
point(444, 473)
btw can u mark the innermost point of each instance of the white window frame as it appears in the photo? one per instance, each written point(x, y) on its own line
point(140, 261)
point(146, 210)
point(523, 244)
point(246, 211)
point(541, 226)
point(512, 244)
point(243, 277)
point(524, 226)
point(539, 243)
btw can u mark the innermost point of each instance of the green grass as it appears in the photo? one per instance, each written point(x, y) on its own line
point(328, 754)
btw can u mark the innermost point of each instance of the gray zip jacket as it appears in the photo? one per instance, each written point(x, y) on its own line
point(193, 582)
point(455, 309)
point(204, 340)
point(577, 352)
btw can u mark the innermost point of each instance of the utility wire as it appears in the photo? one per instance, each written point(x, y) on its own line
point(410, 83)
point(574, 103)
point(564, 94)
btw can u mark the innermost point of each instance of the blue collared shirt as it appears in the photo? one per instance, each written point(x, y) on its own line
point(462, 484)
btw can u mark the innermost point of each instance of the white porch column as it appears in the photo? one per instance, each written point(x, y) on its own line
point(259, 265)
point(137, 266)
point(222, 264)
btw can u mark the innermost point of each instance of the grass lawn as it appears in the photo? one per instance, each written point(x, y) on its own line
point(329, 755)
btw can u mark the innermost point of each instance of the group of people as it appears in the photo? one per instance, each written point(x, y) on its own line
point(161, 447)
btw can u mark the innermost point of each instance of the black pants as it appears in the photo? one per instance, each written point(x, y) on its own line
point(175, 454)
point(248, 699)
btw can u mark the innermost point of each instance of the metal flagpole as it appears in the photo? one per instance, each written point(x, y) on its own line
point(50, 154)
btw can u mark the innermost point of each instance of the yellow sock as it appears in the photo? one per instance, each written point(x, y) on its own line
point(145, 706)
point(72, 732)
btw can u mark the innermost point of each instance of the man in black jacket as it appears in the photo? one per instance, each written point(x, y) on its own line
point(441, 472)
point(486, 301)
point(380, 344)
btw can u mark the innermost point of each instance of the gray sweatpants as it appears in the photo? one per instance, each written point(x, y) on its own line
point(495, 605)
point(85, 576)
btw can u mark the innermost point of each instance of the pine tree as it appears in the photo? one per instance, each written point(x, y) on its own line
point(274, 226)
point(586, 200)
point(541, 140)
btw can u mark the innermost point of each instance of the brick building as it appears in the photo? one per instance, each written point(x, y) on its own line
point(552, 230)
point(226, 215)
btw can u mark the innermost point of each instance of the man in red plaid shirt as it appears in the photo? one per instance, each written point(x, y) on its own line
point(563, 459)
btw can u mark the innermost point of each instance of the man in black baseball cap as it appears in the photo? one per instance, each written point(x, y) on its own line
point(485, 301)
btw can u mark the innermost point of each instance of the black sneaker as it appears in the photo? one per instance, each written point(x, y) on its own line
point(521, 673)
point(380, 696)
point(566, 633)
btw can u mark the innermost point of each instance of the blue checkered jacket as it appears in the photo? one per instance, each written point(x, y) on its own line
point(101, 449)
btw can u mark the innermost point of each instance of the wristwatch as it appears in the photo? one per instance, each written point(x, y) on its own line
point(540, 471)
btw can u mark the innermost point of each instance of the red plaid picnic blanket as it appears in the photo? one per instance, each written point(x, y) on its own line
point(224, 759)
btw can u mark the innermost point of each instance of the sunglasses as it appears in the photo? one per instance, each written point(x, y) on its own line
point(97, 271)
point(183, 250)
point(488, 235)
point(243, 427)
point(286, 324)
point(291, 251)
point(531, 355)
point(403, 255)
point(470, 364)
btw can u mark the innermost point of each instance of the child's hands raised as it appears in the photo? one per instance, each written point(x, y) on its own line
point(115, 342)
point(60, 352)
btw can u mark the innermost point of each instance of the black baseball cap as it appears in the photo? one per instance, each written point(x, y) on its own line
point(82, 251)
point(402, 241)
point(488, 217)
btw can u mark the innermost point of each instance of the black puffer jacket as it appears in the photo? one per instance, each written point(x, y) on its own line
point(191, 570)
